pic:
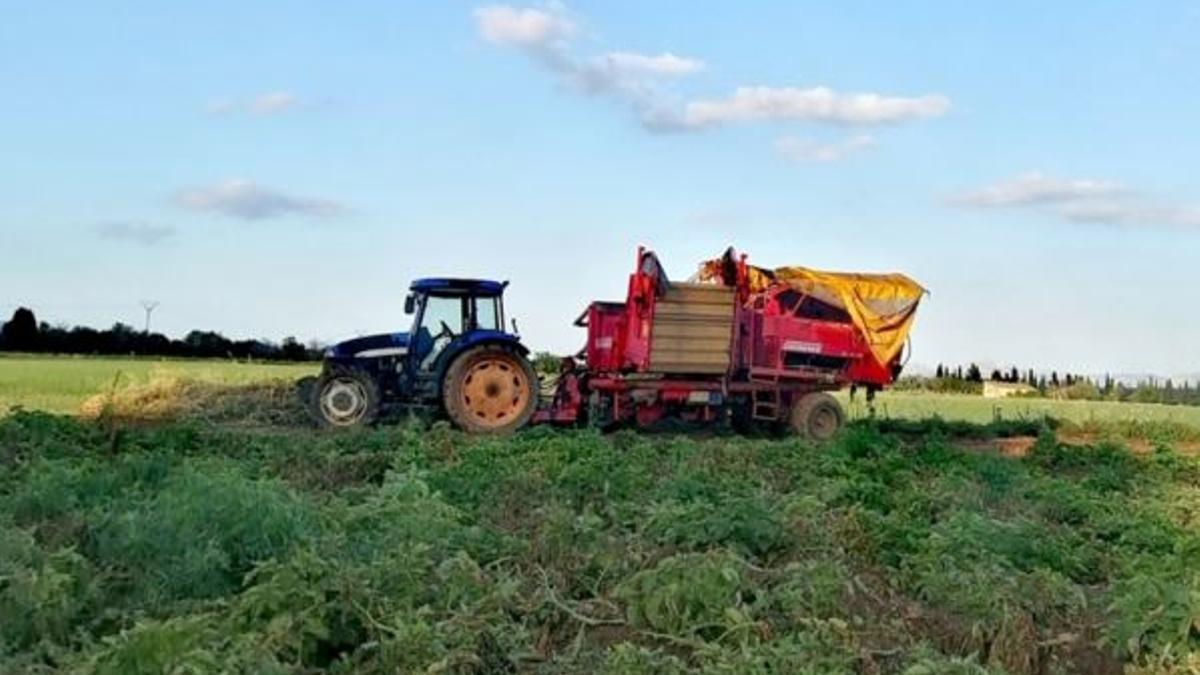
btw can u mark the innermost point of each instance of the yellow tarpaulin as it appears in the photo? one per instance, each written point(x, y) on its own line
point(882, 306)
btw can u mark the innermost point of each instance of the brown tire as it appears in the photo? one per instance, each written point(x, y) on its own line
point(817, 416)
point(490, 390)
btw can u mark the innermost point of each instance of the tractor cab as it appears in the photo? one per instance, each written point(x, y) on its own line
point(456, 357)
point(449, 313)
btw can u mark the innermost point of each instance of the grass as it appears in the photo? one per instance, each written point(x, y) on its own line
point(976, 409)
point(62, 384)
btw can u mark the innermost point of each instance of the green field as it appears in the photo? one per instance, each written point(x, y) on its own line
point(921, 405)
point(61, 384)
point(230, 537)
point(192, 548)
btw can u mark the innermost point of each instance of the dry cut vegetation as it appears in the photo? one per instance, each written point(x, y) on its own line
point(60, 384)
point(188, 547)
point(170, 397)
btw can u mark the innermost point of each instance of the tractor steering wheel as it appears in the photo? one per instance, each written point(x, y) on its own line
point(446, 330)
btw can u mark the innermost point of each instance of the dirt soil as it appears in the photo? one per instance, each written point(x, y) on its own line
point(1019, 446)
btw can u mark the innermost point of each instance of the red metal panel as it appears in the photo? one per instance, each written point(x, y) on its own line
point(644, 285)
point(805, 336)
point(605, 321)
point(791, 347)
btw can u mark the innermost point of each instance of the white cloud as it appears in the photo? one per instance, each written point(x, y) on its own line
point(1131, 213)
point(523, 27)
point(1035, 188)
point(266, 103)
point(809, 150)
point(666, 64)
point(1080, 200)
point(273, 102)
point(546, 35)
point(146, 234)
point(249, 201)
point(221, 106)
point(816, 104)
point(638, 81)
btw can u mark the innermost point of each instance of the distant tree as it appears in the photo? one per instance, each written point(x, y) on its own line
point(207, 344)
point(1031, 378)
point(1145, 393)
point(1054, 378)
point(958, 374)
point(53, 339)
point(121, 339)
point(996, 376)
point(940, 373)
point(21, 332)
point(547, 363)
point(292, 350)
point(974, 374)
point(1014, 375)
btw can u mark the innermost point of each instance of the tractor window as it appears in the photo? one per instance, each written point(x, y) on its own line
point(487, 314)
point(442, 319)
point(441, 310)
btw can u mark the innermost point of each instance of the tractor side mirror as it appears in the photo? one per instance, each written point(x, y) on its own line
point(410, 304)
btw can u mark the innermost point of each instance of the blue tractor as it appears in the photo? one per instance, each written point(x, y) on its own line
point(457, 358)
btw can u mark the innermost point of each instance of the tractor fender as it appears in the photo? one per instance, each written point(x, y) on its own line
point(479, 337)
point(476, 339)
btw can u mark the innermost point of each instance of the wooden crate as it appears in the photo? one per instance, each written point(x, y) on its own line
point(692, 330)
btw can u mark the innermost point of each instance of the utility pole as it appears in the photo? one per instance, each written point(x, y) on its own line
point(149, 306)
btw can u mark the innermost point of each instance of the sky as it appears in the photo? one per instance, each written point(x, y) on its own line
point(286, 168)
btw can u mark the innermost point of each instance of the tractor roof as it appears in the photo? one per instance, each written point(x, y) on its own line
point(451, 286)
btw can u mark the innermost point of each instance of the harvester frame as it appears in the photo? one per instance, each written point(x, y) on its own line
point(705, 352)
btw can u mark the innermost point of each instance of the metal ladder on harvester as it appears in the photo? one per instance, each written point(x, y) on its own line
point(765, 404)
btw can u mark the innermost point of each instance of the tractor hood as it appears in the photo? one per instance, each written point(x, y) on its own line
point(371, 346)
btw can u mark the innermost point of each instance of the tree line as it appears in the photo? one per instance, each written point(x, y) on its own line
point(970, 379)
point(23, 333)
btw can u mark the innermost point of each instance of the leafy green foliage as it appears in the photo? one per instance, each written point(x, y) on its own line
point(896, 549)
point(746, 524)
point(688, 595)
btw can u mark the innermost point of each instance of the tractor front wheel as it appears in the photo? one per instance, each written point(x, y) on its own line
point(817, 416)
point(344, 397)
point(490, 390)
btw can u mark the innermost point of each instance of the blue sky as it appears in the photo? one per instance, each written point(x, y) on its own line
point(284, 168)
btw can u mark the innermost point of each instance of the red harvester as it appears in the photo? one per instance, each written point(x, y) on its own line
point(750, 344)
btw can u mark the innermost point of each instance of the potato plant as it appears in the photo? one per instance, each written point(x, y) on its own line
point(185, 547)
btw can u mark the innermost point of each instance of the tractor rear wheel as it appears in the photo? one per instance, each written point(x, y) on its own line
point(490, 390)
point(817, 416)
point(344, 397)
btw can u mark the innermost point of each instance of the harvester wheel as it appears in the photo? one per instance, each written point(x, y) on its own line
point(490, 390)
point(817, 416)
point(344, 397)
